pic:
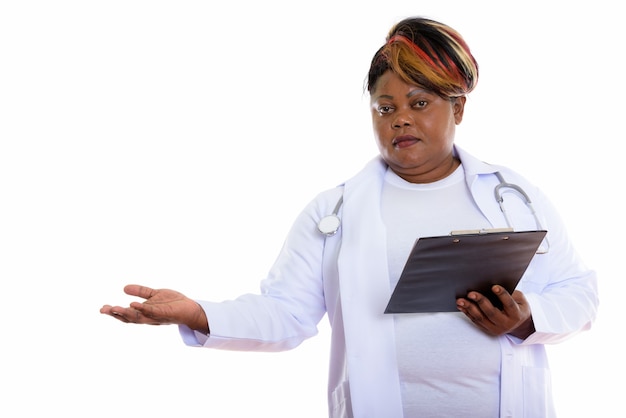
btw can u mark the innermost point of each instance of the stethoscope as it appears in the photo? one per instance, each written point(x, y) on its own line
point(501, 189)
point(329, 224)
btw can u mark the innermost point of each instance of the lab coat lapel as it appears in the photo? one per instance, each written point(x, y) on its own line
point(365, 290)
point(482, 191)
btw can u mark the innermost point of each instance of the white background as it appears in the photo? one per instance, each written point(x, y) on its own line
point(156, 142)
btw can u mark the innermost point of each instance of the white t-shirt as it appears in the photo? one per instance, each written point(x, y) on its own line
point(448, 367)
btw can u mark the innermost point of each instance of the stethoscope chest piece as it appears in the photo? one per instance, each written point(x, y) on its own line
point(329, 225)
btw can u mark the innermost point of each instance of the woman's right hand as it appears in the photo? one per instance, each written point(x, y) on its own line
point(161, 307)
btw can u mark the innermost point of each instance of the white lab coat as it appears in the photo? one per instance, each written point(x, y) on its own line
point(346, 276)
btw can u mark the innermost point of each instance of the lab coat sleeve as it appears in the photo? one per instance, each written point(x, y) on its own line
point(560, 289)
point(291, 300)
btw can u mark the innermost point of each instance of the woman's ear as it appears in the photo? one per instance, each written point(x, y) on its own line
point(458, 106)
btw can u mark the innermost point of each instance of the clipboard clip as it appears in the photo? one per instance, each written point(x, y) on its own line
point(482, 231)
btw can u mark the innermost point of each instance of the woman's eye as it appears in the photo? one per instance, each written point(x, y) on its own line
point(420, 103)
point(384, 109)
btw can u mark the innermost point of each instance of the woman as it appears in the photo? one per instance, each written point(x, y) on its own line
point(480, 361)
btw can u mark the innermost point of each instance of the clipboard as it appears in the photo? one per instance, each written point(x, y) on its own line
point(443, 268)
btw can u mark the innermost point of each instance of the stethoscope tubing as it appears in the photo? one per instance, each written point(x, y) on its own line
point(329, 224)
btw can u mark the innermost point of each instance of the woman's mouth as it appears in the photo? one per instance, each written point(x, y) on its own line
point(404, 141)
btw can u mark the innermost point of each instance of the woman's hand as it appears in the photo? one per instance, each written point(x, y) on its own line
point(514, 318)
point(161, 307)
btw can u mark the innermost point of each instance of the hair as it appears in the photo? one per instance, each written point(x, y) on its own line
point(429, 54)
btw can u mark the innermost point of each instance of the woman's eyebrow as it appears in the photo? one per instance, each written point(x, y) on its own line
point(408, 95)
point(414, 92)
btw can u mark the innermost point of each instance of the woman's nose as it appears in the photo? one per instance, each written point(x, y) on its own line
point(402, 119)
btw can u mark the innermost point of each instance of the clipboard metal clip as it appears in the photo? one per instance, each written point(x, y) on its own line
point(482, 231)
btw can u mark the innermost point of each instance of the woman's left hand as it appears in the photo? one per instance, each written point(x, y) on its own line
point(514, 318)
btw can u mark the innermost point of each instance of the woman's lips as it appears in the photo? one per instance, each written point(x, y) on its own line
point(404, 141)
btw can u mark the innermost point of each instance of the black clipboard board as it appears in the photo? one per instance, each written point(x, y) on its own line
point(441, 269)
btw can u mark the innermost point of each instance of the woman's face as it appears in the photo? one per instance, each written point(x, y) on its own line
point(414, 129)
